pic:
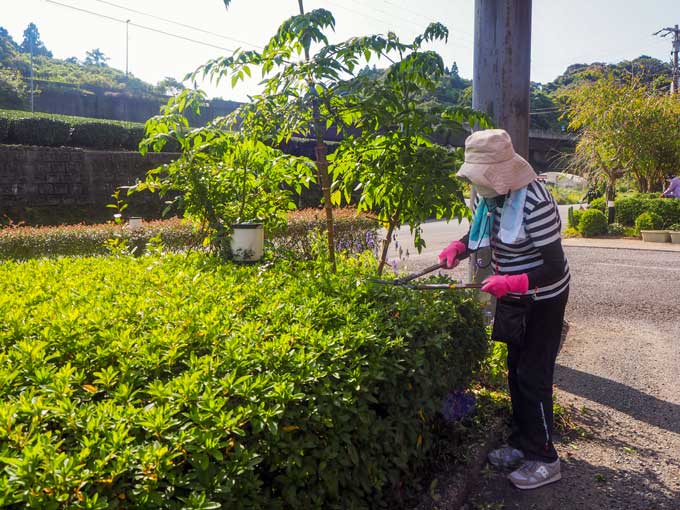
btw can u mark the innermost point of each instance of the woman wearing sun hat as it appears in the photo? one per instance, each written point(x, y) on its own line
point(518, 219)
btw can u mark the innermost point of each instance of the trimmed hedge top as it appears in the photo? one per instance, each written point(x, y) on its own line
point(178, 382)
point(26, 128)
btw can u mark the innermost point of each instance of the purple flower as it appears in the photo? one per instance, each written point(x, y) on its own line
point(457, 405)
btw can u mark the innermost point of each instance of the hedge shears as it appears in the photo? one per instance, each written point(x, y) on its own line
point(405, 281)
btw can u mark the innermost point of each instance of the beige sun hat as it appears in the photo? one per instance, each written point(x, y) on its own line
point(491, 161)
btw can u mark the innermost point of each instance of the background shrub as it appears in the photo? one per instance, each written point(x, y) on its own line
point(616, 229)
point(4, 128)
point(99, 135)
point(55, 130)
point(574, 217)
point(354, 233)
point(648, 221)
point(38, 131)
point(178, 382)
point(593, 222)
point(599, 203)
point(23, 243)
point(628, 209)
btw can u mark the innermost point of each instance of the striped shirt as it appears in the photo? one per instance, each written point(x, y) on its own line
point(542, 225)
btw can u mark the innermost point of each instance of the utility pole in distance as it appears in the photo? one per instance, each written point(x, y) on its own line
point(127, 45)
point(676, 50)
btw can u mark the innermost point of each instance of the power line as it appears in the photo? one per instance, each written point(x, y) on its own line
point(382, 20)
point(143, 27)
point(167, 20)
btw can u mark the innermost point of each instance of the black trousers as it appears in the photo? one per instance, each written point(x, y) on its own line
point(530, 377)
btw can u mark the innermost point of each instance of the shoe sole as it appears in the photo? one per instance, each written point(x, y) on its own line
point(554, 478)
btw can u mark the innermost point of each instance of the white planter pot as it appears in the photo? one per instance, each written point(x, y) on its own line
point(675, 237)
point(655, 236)
point(247, 242)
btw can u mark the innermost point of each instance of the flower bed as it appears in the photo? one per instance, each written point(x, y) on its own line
point(178, 382)
point(354, 233)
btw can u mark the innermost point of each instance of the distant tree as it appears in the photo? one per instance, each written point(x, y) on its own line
point(32, 42)
point(13, 89)
point(72, 60)
point(625, 131)
point(96, 57)
point(7, 38)
point(170, 86)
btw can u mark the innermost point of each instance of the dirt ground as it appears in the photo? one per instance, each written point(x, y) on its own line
point(618, 371)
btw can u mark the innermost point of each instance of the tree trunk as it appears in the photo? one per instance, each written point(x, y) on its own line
point(321, 152)
point(385, 247)
point(322, 167)
point(610, 194)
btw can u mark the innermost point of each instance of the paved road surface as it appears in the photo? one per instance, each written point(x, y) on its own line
point(437, 234)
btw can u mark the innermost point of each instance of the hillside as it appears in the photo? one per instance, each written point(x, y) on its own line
point(65, 79)
point(53, 73)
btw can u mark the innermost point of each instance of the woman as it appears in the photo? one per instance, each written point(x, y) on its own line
point(518, 219)
point(673, 189)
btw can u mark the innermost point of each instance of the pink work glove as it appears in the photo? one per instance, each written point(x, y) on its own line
point(450, 254)
point(500, 285)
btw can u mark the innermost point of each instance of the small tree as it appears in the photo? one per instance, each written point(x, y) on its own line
point(300, 87)
point(401, 174)
point(221, 177)
point(170, 86)
point(96, 57)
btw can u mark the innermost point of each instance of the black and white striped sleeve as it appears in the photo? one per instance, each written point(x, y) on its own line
point(542, 223)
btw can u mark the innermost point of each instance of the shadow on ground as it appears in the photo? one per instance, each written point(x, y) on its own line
point(584, 486)
point(633, 402)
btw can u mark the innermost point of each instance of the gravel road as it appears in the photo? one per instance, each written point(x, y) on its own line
point(620, 369)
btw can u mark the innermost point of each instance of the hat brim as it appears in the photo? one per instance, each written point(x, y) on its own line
point(502, 177)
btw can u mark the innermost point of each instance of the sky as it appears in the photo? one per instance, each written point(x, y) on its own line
point(563, 32)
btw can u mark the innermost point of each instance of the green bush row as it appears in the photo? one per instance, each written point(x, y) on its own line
point(352, 233)
point(628, 209)
point(43, 129)
point(178, 382)
point(23, 243)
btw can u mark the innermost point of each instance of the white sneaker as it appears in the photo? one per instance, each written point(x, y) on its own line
point(533, 474)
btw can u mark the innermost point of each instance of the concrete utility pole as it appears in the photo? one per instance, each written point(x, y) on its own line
point(127, 45)
point(676, 50)
point(32, 85)
point(502, 59)
point(500, 83)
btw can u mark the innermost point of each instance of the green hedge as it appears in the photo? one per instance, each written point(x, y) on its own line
point(38, 131)
point(100, 135)
point(628, 209)
point(178, 382)
point(26, 128)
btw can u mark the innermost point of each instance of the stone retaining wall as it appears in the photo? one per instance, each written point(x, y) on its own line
point(45, 185)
